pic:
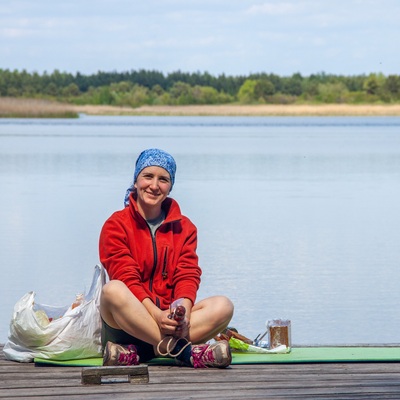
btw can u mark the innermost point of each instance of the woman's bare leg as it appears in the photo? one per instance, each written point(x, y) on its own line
point(120, 309)
point(210, 317)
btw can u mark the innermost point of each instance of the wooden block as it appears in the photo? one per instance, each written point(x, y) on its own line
point(135, 374)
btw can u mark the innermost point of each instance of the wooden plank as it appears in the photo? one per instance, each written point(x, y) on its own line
point(208, 391)
point(261, 381)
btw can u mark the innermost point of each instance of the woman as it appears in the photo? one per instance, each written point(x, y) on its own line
point(149, 252)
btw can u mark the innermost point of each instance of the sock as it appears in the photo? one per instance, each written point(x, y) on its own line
point(186, 354)
point(145, 352)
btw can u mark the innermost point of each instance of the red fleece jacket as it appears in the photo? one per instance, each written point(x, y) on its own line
point(164, 268)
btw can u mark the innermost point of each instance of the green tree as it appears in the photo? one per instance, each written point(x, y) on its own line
point(293, 85)
point(181, 92)
point(371, 84)
point(121, 87)
point(392, 84)
point(72, 90)
point(332, 92)
point(51, 89)
point(263, 89)
point(310, 88)
point(205, 95)
point(157, 90)
point(138, 96)
point(104, 96)
point(246, 92)
point(3, 84)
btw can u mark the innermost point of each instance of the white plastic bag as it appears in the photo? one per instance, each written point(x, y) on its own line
point(73, 333)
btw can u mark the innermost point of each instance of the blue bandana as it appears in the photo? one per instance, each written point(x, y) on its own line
point(151, 158)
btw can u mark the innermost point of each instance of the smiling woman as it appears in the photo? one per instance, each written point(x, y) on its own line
point(149, 252)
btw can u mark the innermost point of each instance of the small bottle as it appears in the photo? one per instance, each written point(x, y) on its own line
point(78, 301)
point(177, 311)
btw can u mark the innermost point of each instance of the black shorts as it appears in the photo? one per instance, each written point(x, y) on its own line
point(109, 334)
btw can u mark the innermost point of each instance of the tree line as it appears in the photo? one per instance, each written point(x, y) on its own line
point(143, 87)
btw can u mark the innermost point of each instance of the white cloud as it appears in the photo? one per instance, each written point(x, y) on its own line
point(281, 8)
point(13, 33)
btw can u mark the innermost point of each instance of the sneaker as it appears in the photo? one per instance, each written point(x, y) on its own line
point(215, 355)
point(116, 354)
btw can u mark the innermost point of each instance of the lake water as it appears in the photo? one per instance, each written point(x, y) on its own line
point(298, 218)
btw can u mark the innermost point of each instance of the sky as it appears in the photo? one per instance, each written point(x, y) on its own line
point(232, 37)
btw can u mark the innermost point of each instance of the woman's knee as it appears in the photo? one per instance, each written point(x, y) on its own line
point(113, 291)
point(226, 305)
point(221, 306)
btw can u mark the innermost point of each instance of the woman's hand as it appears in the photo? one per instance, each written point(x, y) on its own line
point(182, 330)
point(168, 326)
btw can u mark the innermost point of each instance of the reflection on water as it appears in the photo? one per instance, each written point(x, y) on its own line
point(298, 217)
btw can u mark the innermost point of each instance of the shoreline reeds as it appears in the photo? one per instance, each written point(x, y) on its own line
point(11, 107)
point(37, 108)
point(300, 110)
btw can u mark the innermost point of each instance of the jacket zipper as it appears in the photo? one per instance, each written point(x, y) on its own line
point(153, 239)
point(164, 270)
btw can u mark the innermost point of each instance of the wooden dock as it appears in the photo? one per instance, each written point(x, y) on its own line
point(268, 381)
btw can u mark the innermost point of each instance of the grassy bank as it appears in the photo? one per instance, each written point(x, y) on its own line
point(34, 108)
point(247, 110)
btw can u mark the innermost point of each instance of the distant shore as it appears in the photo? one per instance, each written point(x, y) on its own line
point(35, 108)
point(247, 110)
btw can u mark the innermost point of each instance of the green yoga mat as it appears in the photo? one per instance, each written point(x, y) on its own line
point(297, 355)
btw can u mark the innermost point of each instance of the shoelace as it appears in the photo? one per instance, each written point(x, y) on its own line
point(200, 358)
point(170, 348)
point(129, 358)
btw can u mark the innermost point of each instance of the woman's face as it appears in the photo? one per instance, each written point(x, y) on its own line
point(153, 185)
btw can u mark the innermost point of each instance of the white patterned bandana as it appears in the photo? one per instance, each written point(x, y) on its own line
point(151, 158)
